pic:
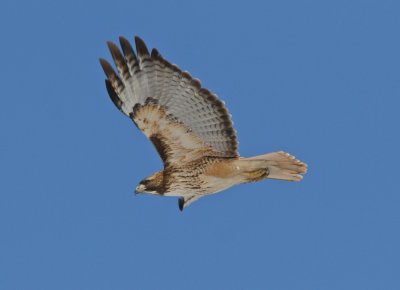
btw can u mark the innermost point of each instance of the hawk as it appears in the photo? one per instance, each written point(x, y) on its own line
point(190, 128)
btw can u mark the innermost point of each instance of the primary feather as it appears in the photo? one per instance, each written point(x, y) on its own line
point(151, 80)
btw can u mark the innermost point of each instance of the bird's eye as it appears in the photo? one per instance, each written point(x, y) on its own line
point(144, 182)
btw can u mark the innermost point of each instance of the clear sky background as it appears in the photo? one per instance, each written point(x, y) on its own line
point(319, 79)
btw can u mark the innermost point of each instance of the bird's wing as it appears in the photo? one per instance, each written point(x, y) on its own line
point(187, 200)
point(183, 120)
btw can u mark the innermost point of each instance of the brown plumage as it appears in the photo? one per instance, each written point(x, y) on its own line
point(188, 125)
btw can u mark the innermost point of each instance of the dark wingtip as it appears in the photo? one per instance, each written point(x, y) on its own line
point(113, 95)
point(123, 40)
point(113, 48)
point(128, 51)
point(110, 44)
point(126, 46)
point(119, 60)
point(155, 53)
point(107, 68)
point(115, 53)
point(181, 203)
point(141, 47)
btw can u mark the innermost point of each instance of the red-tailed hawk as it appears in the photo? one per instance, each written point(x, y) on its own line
point(188, 125)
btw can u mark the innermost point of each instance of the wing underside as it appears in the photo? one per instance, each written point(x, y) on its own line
point(174, 142)
point(187, 200)
point(168, 104)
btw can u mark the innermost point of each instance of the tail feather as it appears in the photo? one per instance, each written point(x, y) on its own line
point(280, 165)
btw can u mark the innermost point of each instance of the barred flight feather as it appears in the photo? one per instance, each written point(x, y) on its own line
point(190, 128)
point(150, 76)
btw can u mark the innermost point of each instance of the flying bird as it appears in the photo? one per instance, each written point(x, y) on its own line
point(190, 128)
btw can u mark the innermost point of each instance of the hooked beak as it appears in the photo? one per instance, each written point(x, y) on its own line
point(139, 189)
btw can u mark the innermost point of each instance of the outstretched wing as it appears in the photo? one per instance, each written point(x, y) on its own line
point(182, 120)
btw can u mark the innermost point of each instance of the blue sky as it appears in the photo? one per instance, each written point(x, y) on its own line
point(319, 79)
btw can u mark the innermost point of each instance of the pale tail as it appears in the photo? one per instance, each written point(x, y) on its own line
point(276, 165)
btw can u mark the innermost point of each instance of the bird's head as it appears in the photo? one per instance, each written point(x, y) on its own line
point(151, 185)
